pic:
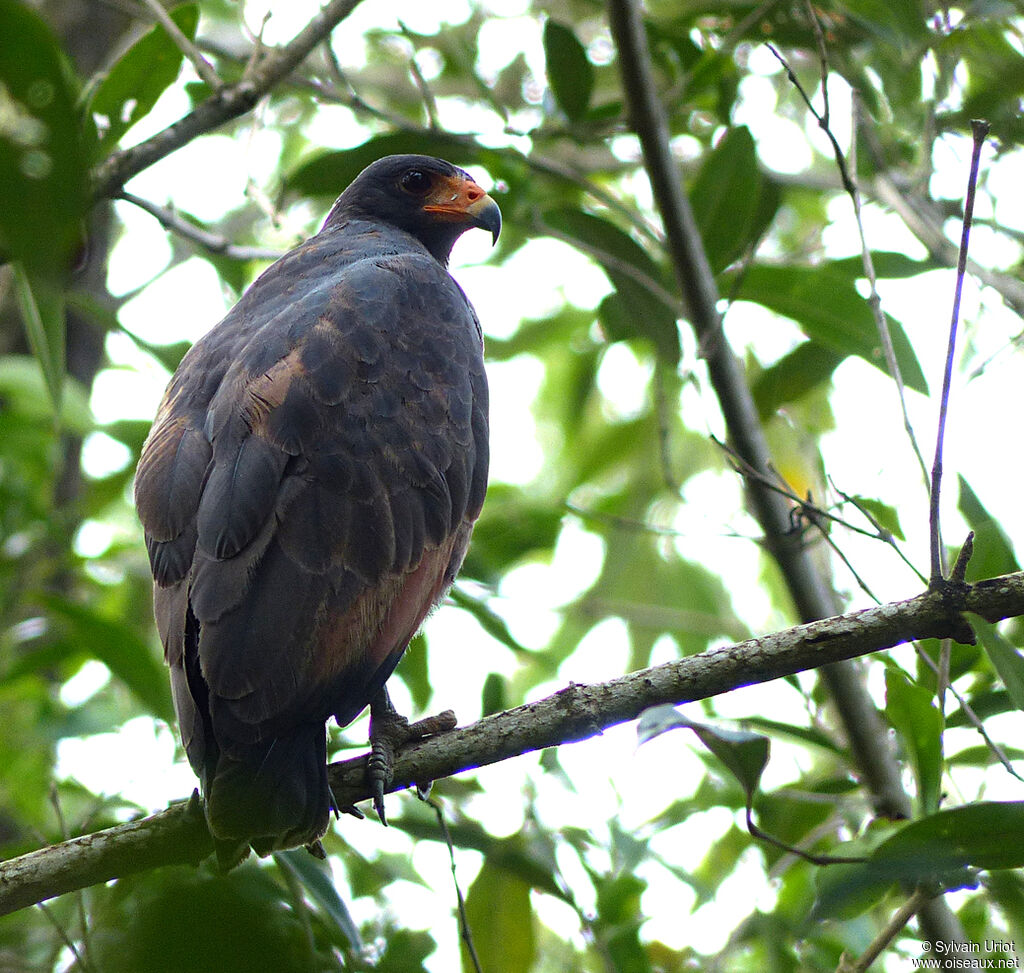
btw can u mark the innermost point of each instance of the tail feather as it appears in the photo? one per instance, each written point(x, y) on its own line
point(273, 794)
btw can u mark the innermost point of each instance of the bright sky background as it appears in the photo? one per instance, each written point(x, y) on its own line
point(867, 454)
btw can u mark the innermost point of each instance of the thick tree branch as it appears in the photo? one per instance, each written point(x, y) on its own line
point(225, 103)
point(178, 835)
point(812, 595)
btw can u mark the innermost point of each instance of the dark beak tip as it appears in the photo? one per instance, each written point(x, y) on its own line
point(487, 216)
point(492, 222)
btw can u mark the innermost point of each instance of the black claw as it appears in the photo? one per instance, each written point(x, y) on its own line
point(316, 849)
point(378, 802)
point(334, 804)
point(388, 732)
point(378, 770)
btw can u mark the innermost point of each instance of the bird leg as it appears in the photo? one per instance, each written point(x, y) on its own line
point(389, 732)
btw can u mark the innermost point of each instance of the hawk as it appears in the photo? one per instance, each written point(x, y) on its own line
point(308, 490)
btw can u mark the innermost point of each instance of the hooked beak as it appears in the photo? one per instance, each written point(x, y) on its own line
point(461, 200)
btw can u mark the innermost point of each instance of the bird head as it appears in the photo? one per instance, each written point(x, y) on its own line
point(431, 199)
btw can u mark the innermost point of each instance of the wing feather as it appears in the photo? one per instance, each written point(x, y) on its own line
point(240, 493)
point(170, 474)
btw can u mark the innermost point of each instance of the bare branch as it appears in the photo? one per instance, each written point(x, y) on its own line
point(980, 132)
point(967, 710)
point(228, 102)
point(203, 67)
point(850, 186)
point(178, 835)
point(170, 220)
point(464, 931)
point(429, 101)
point(900, 918)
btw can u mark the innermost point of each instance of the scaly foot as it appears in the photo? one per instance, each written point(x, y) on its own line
point(389, 732)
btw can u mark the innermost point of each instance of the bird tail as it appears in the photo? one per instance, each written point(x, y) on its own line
point(273, 794)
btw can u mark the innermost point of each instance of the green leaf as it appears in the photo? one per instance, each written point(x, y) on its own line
point(570, 73)
point(810, 735)
point(173, 919)
point(516, 524)
point(911, 710)
point(886, 263)
point(491, 622)
point(793, 376)
point(494, 696)
point(744, 754)
point(993, 552)
point(824, 302)
point(24, 393)
point(618, 921)
point(405, 951)
point(641, 307)
point(885, 515)
point(42, 312)
point(943, 848)
point(501, 921)
point(139, 77)
point(732, 202)
point(899, 24)
point(316, 880)
point(121, 649)
point(1005, 658)
point(527, 855)
point(981, 835)
point(43, 181)
point(847, 890)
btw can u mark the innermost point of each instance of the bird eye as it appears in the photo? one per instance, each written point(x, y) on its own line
point(416, 182)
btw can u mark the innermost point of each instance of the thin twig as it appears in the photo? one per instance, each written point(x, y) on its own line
point(822, 120)
point(881, 321)
point(62, 823)
point(970, 715)
point(884, 535)
point(258, 47)
point(203, 67)
point(892, 929)
point(429, 102)
point(838, 551)
point(338, 90)
point(849, 185)
point(920, 217)
point(979, 131)
point(464, 930)
point(807, 856)
point(83, 963)
point(942, 680)
point(170, 220)
point(806, 507)
point(819, 39)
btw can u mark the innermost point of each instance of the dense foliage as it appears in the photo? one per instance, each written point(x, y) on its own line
point(615, 534)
